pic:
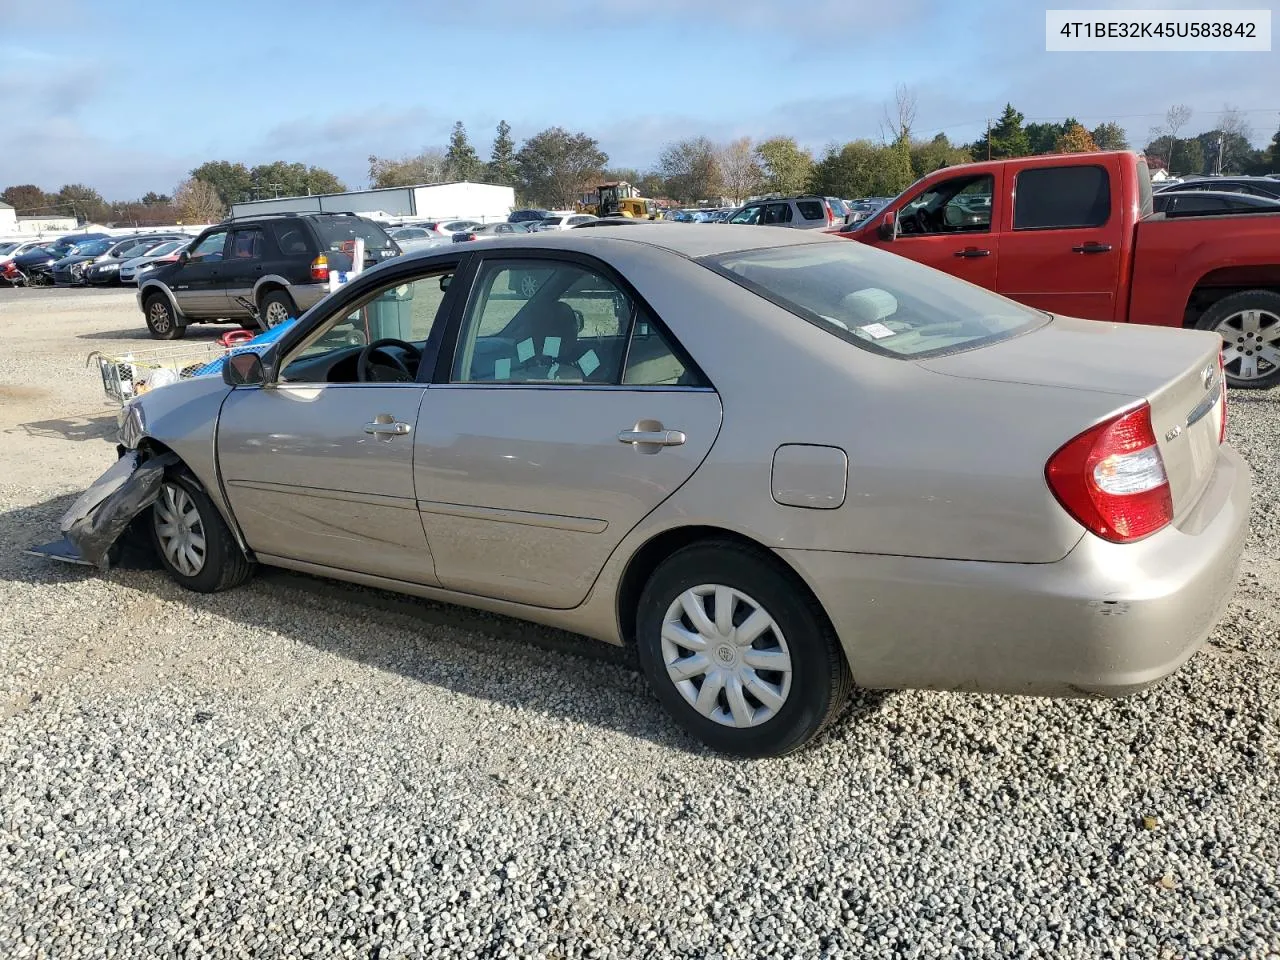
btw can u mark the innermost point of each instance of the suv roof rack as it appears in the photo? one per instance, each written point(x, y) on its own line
point(290, 213)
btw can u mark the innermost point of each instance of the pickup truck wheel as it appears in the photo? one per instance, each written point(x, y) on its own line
point(160, 319)
point(1249, 324)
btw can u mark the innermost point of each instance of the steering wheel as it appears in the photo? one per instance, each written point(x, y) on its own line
point(396, 372)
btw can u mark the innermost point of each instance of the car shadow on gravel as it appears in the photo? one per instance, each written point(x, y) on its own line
point(584, 669)
point(89, 426)
point(197, 333)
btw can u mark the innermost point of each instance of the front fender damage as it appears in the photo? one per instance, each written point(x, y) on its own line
point(100, 515)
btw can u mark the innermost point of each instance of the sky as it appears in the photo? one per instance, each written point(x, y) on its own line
point(129, 97)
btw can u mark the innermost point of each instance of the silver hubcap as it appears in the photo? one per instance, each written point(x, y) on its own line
point(159, 317)
point(1251, 344)
point(180, 530)
point(528, 285)
point(276, 313)
point(726, 655)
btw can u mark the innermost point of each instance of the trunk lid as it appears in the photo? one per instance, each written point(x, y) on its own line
point(1175, 371)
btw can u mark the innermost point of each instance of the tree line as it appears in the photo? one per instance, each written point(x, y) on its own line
point(555, 167)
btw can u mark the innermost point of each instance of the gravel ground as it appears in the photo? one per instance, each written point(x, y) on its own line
point(300, 768)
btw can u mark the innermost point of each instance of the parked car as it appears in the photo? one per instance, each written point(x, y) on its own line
point(859, 210)
point(531, 214)
point(801, 212)
point(1210, 202)
point(447, 228)
point(106, 269)
point(131, 269)
point(654, 446)
point(1254, 186)
point(564, 222)
point(414, 239)
point(72, 269)
point(491, 231)
point(278, 262)
point(613, 222)
point(11, 250)
point(1072, 234)
point(37, 263)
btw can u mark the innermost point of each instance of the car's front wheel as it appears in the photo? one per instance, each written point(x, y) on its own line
point(193, 541)
point(738, 651)
point(161, 320)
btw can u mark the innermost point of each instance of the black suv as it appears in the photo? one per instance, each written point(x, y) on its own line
point(278, 262)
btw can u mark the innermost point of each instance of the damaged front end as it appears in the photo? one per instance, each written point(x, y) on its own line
point(100, 515)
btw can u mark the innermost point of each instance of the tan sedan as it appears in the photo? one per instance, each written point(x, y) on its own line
point(779, 463)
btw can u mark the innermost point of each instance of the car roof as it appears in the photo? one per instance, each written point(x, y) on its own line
point(720, 239)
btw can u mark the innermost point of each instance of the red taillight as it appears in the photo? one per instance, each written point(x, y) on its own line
point(1111, 478)
point(320, 268)
point(831, 216)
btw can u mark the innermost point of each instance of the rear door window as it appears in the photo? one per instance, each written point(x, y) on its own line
point(1050, 198)
point(811, 209)
point(540, 321)
point(777, 214)
point(246, 244)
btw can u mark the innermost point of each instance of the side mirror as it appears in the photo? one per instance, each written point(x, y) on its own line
point(244, 370)
point(184, 256)
point(889, 226)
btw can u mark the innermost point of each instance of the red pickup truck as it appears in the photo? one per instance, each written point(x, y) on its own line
point(1075, 234)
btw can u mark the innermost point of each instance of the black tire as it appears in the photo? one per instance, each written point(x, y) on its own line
point(1245, 342)
point(280, 300)
point(820, 679)
point(161, 320)
point(224, 564)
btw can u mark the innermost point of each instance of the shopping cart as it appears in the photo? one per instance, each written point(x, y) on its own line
point(134, 373)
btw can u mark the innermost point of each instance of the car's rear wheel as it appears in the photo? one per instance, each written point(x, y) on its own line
point(275, 308)
point(192, 540)
point(738, 651)
point(1249, 324)
point(161, 320)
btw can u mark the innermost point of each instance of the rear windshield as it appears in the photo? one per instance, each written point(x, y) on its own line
point(875, 299)
point(96, 248)
point(335, 231)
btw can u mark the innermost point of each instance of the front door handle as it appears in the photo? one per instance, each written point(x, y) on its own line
point(973, 252)
point(1092, 247)
point(385, 426)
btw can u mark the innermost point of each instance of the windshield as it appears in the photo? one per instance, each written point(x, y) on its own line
point(93, 249)
point(335, 231)
point(164, 248)
point(8, 247)
point(875, 299)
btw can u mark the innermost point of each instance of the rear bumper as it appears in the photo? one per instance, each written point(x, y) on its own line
point(307, 295)
point(1108, 619)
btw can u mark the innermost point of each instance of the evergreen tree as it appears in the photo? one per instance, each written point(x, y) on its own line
point(1007, 138)
point(461, 159)
point(502, 158)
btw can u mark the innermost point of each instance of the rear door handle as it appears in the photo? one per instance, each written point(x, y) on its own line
point(1092, 247)
point(658, 438)
point(973, 252)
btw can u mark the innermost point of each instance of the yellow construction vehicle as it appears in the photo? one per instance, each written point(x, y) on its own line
point(610, 203)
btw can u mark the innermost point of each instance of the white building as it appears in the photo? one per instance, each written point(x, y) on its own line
point(14, 226)
point(457, 200)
